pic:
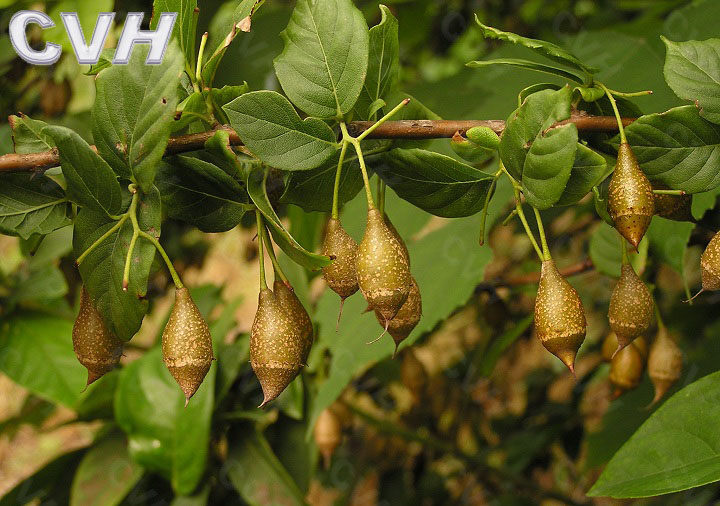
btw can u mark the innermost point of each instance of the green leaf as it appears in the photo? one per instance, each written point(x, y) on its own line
point(704, 202)
point(527, 65)
point(669, 240)
point(198, 499)
point(133, 113)
point(105, 475)
point(447, 264)
point(90, 180)
point(200, 193)
point(589, 170)
point(435, 183)
point(677, 148)
point(31, 204)
point(185, 25)
point(258, 194)
point(105, 61)
point(538, 112)
point(675, 449)
point(39, 284)
point(36, 352)
point(192, 109)
point(325, 58)
point(383, 65)
point(548, 165)
point(257, 474)
point(692, 70)
point(547, 49)
point(87, 13)
point(605, 251)
point(28, 136)
point(271, 128)
point(102, 270)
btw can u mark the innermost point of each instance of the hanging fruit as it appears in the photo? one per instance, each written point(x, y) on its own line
point(631, 307)
point(297, 313)
point(610, 346)
point(341, 274)
point(710, 265)
point(626, 369)
point(327, 434)
point(664, 364)
point(406, 319)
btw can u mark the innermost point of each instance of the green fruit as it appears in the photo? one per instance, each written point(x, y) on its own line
point(665, 363)
point(186, 344)
point(710, 265)
point(626, 368)
point(276, 346)
point(96, 348)
point(631, 307)
point(382, 267)
point(407, 318)
point(559, 316)
point(631, 201)
point(341, 274)
point(478, 146)
point(293, 307)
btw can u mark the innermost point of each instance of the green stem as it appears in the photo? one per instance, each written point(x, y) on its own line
point(361, 160)
point(383, 119)
point(669, 192)
point(381, 194)
point(164, 255)
point(132, 212)
point(201, 53)
point(271, 253)
point(610, 97)
point(543, 239)
point(631, 94)
point(523, 220)
point(625, 258)
point(336, 189)
point(688, 295)
point(484, 213)
point(509, 217)
point(261, 253)
point(102, 238)
point(658, 316)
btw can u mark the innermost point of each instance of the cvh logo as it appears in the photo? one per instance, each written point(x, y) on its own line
point(90, 53)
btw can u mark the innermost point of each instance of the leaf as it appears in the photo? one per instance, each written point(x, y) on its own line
point(271, 128)
point(102, 270)
point(28, 136)
point(589, 170)
point(435, 183)
point(39, 284)
point(185, 25)
point(36, 352)
point(669, 240)
point(258, 194)
point(201, 194)
point(675, 449)
point(677, 148)
point(31, 204)
point(447, 264)
point(383, 65)
point(692, 70)
point(703, 202)
point(548, 165)
point(105, 61)
point(91, 182)
point(527, 65)
point(133, 113)
point(547, 49)
point(105, 475)
point(256, 473)
point(325, 58)
point(606, 254)
point(502, 343)
point(537, 113)
point(192, 109)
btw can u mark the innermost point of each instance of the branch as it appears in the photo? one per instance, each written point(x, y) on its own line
point(405, 129)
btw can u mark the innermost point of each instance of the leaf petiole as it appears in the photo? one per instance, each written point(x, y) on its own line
point(358, 149)
point(102, 239)
point(610, 97)
point(669, 192)
point(168, 263)
point(543, 239)
point(383, 119)
point(271, 253)
point(336, 188)
point(261, 253)
point(132, 212)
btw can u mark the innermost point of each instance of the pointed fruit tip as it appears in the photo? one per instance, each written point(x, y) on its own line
point(694, 296)
point(387, 323)
point(395, 352)
point(187, 401)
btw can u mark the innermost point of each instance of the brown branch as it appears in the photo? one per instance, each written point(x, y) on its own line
point(406, 129)
point(533, 277)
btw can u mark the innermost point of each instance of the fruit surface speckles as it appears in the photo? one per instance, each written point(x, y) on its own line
point(631, 202)
point(294, 308)
point(96, 348)
point(664, 364)
point(186, 344)
point(710, 265)
point(631, 307)
point(276, 346)
point(383, 268)
point(559, 316)
point(341, 274)
point(407, 318)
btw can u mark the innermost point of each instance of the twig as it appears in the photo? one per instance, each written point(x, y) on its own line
point(405, 129)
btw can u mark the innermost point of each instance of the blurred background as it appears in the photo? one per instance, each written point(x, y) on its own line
point(476, 412)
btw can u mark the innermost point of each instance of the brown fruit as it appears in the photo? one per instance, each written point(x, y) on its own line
point(96, 348)
point(710, 265)
point(276, 346)
point(610, 346)
point(631, 202)
point(382, 267)
point(674, 207)
point(559, 316)
point(341, 274)
point(631, 307)
point(626, 368)
point(292, 305)
point(407, 318)
point(327, 434)
point(665, 363)
point(186, 344)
